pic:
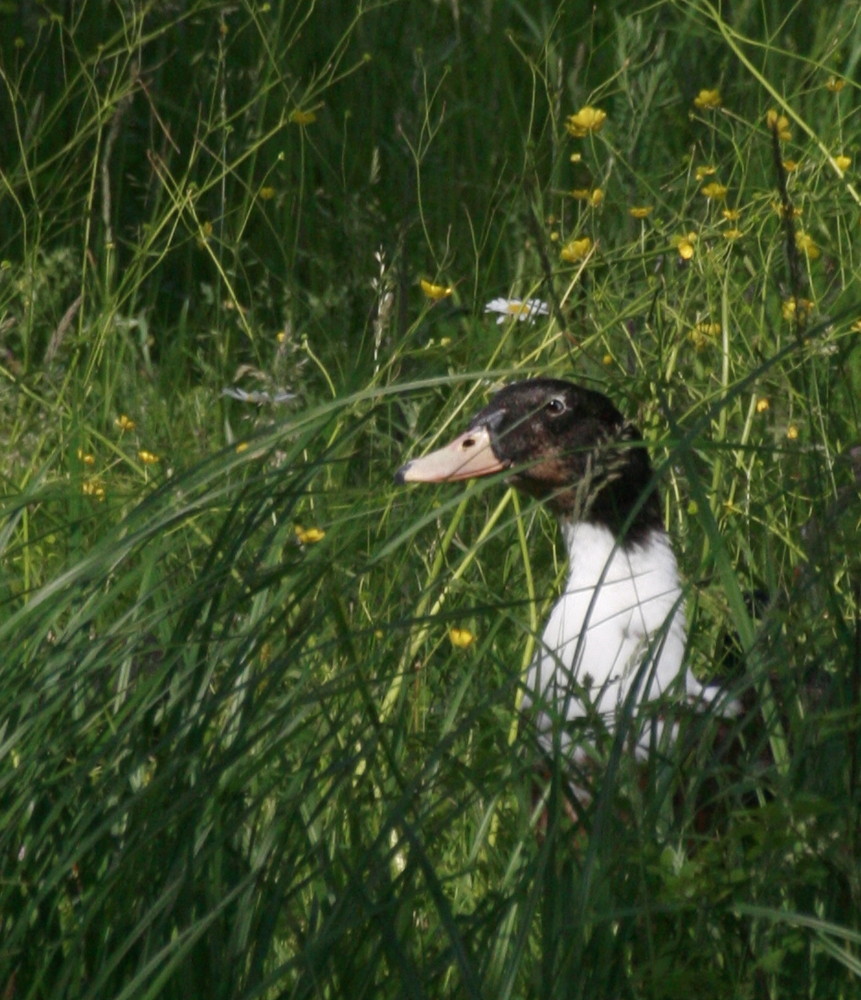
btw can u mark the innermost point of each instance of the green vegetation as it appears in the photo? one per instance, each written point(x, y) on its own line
point(240, 754)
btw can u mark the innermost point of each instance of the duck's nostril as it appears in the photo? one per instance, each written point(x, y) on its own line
point(468, 443)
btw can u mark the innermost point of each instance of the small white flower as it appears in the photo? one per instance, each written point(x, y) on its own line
point(517, 309)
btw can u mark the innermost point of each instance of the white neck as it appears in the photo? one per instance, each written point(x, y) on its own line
point(617, 630)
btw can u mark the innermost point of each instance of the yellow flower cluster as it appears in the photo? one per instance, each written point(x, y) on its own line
point(805, 243)
point(778, 123)
point(593, 197)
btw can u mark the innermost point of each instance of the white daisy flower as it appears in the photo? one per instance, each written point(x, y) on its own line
point(517, 309)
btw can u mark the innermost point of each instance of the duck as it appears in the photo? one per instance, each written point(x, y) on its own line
point(612, 654)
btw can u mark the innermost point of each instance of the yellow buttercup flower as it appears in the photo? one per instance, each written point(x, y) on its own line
point(731, 214)
point(640, 211)
point(594, 197)
point(792, 432)
point(148, 458)
point(834, 84)
point(86, 457)
point(93, 488)
point(799, 309)
point(732, 234)
point(461, 637)
point(309, 536)
point(762, 404)
point(124, 423)
point(708, 100)
point(300, 117)
point(790, 166)
point(267, 193)
point(575, 250)
point(435, 292)
point(715, 191)
point(795, 212)
point(704, 334)
point(842, 161)
point(704, 171)
point(586, 120)
point(685, 245)
point(778, 123)
point(804, 242)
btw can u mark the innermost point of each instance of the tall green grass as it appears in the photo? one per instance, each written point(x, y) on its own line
point(240, 755)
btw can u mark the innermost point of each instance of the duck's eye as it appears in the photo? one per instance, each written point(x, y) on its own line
point(554, 406)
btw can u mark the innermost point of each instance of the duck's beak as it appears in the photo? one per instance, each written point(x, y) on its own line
point(467, 457)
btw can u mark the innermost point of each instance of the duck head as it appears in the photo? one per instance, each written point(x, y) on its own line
point(563, 444)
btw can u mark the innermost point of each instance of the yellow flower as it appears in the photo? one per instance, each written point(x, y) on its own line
point(86, 457)
point(804, 242)
point(703, 334)
point(594, 197)
point(640, 211)
point(796, 309)
point(242, 446)
point(834, 84)
point(762, 404)
point(575, 250)
point(790, 166)
point(715, 191)
point(308, 536)
point(732, 234)
point(93, 488)
point(685, 245)
point(795, 211)
point(844, 162)
point(267, 193)
point(148, 458)
point(709, 329)
point(708, 100)
point(461, 637)
point(705, 171)
point(731, 214)
point(585, 121)
point(856, 326)
point(124, 423)
point(299, 117)
point(778, 123)
point(607, 359)
point(792, 432)
point(435, 292)
point(204, 233)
